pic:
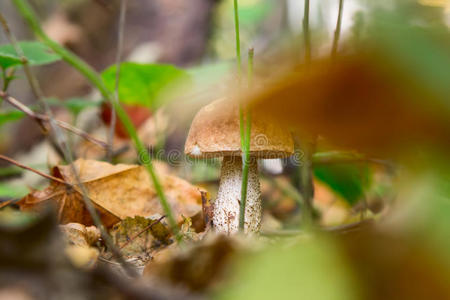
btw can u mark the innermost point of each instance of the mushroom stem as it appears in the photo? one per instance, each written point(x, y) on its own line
point(226, 206)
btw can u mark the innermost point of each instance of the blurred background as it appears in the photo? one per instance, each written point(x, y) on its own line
point(364, 86)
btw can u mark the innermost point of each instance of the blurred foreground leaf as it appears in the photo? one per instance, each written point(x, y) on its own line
point(359, 103)
point(387, 96)
point(35, 52)
point(312, 269)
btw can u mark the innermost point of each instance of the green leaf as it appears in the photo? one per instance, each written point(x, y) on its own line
point(10, 116)
point(347, 180)
point(35, 52)
point(144, 84)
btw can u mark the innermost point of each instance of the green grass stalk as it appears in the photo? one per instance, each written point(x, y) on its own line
point(245, 144)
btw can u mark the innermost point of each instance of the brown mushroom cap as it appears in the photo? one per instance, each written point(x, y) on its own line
point(215, 132)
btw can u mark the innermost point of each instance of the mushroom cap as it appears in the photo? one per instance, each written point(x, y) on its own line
point(215, 132)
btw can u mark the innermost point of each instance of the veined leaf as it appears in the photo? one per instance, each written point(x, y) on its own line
point(144, 84)
point(35, 52)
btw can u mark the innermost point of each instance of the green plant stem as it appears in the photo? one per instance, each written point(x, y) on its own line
point(245, 144)
point(306, 32)
point(5, 80)
point(337, 31)
point(27, 13)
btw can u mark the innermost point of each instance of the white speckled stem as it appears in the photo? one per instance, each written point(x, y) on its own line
point(226, 206)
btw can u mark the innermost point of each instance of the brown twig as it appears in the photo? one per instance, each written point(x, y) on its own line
point(142, 231)
point(40, 118)
point(12, 161)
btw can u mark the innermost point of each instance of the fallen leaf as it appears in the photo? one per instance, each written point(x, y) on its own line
point(117, 191)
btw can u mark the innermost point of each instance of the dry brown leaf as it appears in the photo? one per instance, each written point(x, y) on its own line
point(118, 191)
point(69, 205)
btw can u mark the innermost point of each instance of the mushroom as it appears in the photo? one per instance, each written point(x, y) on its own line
point(215, 133)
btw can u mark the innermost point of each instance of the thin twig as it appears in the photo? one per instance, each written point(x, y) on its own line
point(337, 31)
point(142, 231)
point(123, 9)
point(14, 162)
point(41, 117)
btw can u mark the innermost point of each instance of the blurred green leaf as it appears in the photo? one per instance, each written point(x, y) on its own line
point(347, 180)
point(312, 269)
point(9, 191)
point(144, 84)
point(10, 116)
point(75, 105)
point(35, 52)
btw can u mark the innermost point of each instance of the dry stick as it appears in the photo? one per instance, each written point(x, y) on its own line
point(123, 9)
point(142, 231)
point(44, 118)
point(61, 141)
point(14, 162)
